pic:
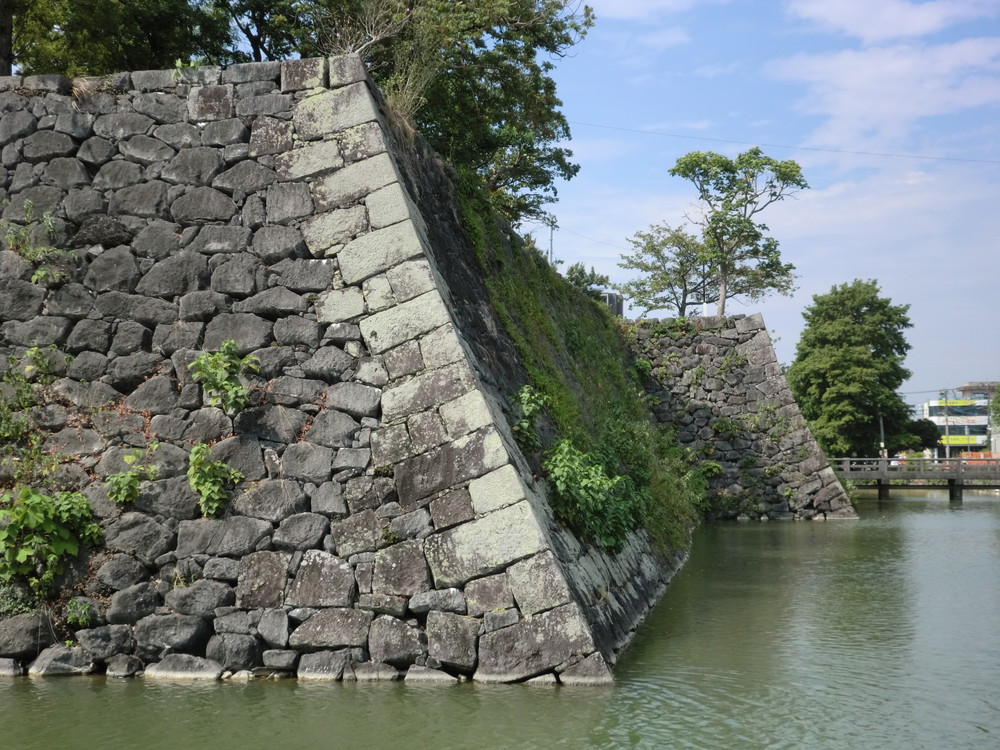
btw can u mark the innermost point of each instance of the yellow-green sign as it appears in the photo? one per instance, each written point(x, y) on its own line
point(962, 440)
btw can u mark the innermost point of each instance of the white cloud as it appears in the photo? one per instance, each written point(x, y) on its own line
point(872, 97)
point(881, 20)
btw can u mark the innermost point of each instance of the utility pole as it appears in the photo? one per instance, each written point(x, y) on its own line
point(947, 434)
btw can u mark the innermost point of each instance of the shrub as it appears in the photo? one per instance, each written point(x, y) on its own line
point(210, 479)
point(219, 375)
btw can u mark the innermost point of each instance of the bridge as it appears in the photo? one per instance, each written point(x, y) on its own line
point(920, 473)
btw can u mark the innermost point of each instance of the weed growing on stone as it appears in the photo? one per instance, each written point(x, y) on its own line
point(219, 375)
point(210, 480)
point(78, 613)
point(38, 532)
point(530, 405)
point(123, 486)
point(49, 262)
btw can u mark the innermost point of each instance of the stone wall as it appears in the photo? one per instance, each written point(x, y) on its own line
point(387, 526)
point(717, 382)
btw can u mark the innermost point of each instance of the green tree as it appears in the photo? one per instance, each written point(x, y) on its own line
point(742, 258)
point(848, 367)
point(97, 37)
point(589, 282)
point(674, 268)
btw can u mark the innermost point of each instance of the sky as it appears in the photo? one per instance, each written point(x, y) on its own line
point(892, 109)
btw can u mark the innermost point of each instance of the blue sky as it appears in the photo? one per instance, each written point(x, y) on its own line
point(892, 108)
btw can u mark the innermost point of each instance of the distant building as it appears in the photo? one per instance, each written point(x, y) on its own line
point(964, 423)
point(614, 302)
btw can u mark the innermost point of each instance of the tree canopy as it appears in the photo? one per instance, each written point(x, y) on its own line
point(847, 369)
point(674, 268)
point(742, 258)
point(472, 76)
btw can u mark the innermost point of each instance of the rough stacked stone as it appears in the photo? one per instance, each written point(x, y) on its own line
point(718, 383)
point(383, 529)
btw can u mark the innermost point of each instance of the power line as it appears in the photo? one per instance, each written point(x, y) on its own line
point(792, 148)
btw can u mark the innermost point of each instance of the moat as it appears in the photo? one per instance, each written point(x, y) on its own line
point(876, 633)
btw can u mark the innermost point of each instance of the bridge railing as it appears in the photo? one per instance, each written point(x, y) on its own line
point(917, 468)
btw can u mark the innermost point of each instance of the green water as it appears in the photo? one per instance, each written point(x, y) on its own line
point(881, 634)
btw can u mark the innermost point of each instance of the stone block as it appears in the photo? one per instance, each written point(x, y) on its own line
point(346, 69)
point(322, 666)
point(534, 646)
point(326, 233)
point(261, 581)
point(484, 546)
point(448, 466)
point(465, 414)
point(445, 600)
point(206, 103)
point(332, 628)
point(392, 641)
point(334, 110)
point(496, 490)
point(308, 161)
point(442, 347)
point(183, 667)
point(538, 584)
point(401, 570)
point(309, 73)
point(354, 182)
point(322, 580)
point(272, 500)
point(452, 640)
point(378, 251)
point(426, 391)
point(360, 532)
point(451, 509)
point(270, 136)
point(340, 305)
point(488, 594)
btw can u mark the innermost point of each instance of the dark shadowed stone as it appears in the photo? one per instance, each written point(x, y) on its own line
point(451, 639)
point(130, 337)
point(123, 665)
point(273, 628)
point(261, 581)
point(248, 331)
point(278, 423)
point(45, 145)
point(79, 204)
point(274, 243)
point(113, 270)
point(183, 667)
point(322, 580)
point(74, 441)
point(234, 652)
point(246, 176)
point(212, 240)
point(207, 425)
point(103, 642)
point(240, 275)
point(22, 637)
point(354, 398)
point(412, 525)
point(394, 642)
point(194, 166)
point(161, 107)
point(180, 135)
point(361, 532)
point(41, 331)
point(288, 201)
point(289, 391)
point(272, 500)
point(272, 303)
point(332, 628)
point(322, 665)
point(200, 598)
point(158, 395)
point(307, 462)
point(301, 531)
point(158, 240)
point(59, 660)
point(295, 330)
point(222, 569)
point(174, 276)
point(66, 173)
point(16, 125)
point(533, 646)
point(117, 174)
point(305, 275)
point(147, 200)
point(90, 337)
point(20, 300)
point(243, 453)
point(86, 394)
point(127, 372)
point(445, 600)
point(202, 204)
point(96, 151)
point(181, 335)
point(145, 150)
point(401, 570)
point(185, 633)
point(121, 125)
point(122, 571)
point(203, 305)
point(101, 230)
point(328, 499)
point(135, 533)
point(72, 301)
point(130, 605)
point(328, 363)
point(149, 312)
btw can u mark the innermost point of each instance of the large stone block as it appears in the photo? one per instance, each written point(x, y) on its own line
point(538, 584)
point(378, 251)
point(452, 640)
point(353, 182)
point(322, 580)
point(448, 466)
point(262, 579)
point(401, 570)
point(334, 110)
point(332, 629)
point(483, 546)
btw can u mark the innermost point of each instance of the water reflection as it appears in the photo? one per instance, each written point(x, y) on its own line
point(879, 633)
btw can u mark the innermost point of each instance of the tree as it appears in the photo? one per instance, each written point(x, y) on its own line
point(97, 37)
point(674, 265)
point(847, 369)
point(742, 258)
point(590, 282)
